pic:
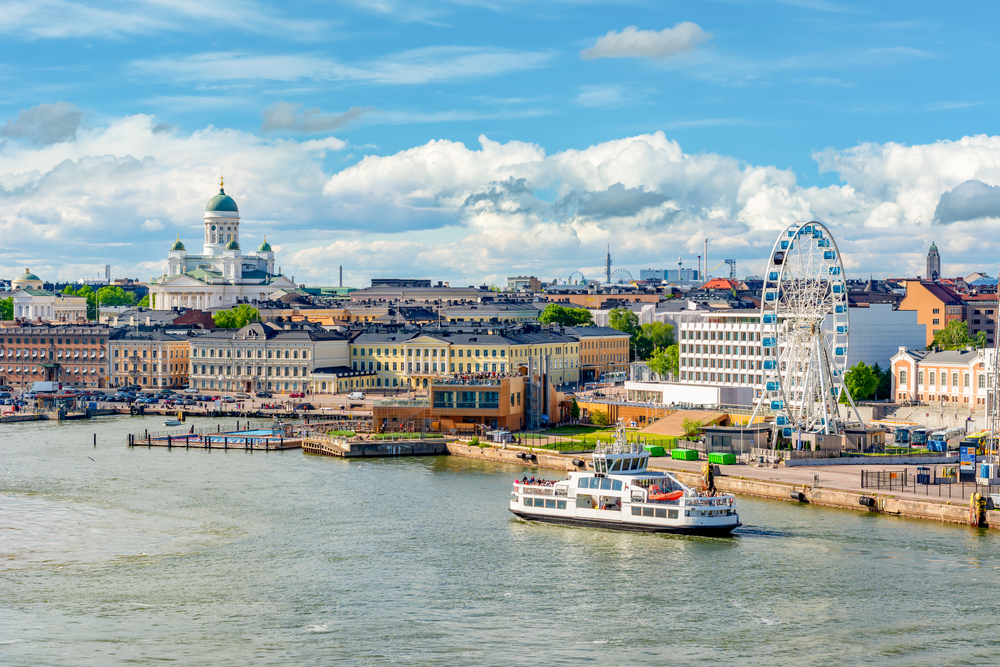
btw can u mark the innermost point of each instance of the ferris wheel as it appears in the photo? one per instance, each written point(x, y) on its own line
point(621, 276)
point(804, 326)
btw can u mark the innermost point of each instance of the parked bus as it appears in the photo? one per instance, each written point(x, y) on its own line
point(979, 439)
point(918, 436)
point(901, 435)
point(939, 441)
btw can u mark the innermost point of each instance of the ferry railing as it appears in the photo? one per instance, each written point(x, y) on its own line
point(537, 490)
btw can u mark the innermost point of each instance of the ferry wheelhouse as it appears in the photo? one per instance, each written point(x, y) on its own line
point(622, 494)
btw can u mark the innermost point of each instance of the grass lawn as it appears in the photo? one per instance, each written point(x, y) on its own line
point(406, 436)
point(570, 438)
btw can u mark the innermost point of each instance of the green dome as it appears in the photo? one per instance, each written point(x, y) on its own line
point(221, 202)
point(233, 245)
point(265, 246)
point(27, 275)
point(178, 245)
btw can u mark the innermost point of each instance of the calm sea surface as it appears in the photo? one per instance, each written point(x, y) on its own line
point(113, 556)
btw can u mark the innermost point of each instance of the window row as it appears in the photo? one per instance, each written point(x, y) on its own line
point(656, 512)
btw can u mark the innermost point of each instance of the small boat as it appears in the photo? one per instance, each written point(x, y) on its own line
point(173, 422)
point(621, 494)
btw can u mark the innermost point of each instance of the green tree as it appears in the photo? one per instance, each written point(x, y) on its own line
point(659, 333)
point(665, 361)
point(114, 296)
point(7, 308)
point(955, 336)
point(68, 290)
point(599, 418)
point(236, 318)
point(884, 389)
point(574, 409)
point(144, 302)
point(691, 428)
point(567, 317)
point(861, 381)
point(624, 320)
point(495, 288)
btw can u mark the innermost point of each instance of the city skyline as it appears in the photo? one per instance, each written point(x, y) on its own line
point(482, 142)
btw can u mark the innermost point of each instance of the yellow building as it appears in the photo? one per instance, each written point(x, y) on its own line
point(410, 359)
point(150, 358)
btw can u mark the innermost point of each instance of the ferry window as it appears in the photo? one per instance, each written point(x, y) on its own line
point(647, 511)
point(606, 484)
point(561, 504)
point(661, 514)
point(550, 503)
point(671, 514)
point(595, 482)
point(616, 465)
point(583, 483)
point(636, 511)
point(616, 485)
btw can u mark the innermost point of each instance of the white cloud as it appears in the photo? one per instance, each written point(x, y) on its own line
point(120, 193)
point(287, 116)
point(634, 43)
point(60, 19)
point(417, 66)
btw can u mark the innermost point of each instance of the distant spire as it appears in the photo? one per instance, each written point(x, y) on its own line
point(222, 184)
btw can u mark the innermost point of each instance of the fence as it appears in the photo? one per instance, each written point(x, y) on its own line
point(904, 481)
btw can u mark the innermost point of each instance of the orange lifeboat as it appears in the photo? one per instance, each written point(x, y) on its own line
point(673, 495)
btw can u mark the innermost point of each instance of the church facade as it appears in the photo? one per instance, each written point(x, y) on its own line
point(221, 276)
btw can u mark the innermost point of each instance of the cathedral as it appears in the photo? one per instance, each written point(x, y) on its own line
point(222, 276)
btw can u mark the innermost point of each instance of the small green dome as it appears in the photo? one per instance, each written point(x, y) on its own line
point(265, 246)
point(177, 244)
point(27, 275)
point(221, 202)
point(233, 245)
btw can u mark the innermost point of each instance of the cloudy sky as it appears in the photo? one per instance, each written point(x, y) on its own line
point(471, 140)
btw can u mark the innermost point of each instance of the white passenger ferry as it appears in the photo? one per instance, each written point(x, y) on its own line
point(622, 495)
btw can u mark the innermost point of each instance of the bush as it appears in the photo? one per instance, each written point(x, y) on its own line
point(475, 442)
point(600, 417)
point(406, 436)
point(691, 427)
point(342, 434)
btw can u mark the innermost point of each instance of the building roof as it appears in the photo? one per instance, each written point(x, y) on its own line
point(341, 371)
point(265, 246)
point(177, 244)
point(944, 357)
point(221, 202)
point(233, 245)
point(593, 332)
point(27, 275)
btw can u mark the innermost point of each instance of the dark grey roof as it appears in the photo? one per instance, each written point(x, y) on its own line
point(341, 371)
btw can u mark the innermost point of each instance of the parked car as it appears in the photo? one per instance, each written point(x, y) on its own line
point(356, 396)
point(263, 394)
point(297, 394)
point(242, 395)
point(228, 399)
point(305, 406)
point(190, 390)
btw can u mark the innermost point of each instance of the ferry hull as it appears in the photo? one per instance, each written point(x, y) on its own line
point(707, 531)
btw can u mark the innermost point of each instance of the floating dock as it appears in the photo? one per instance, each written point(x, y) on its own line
point(246, 436)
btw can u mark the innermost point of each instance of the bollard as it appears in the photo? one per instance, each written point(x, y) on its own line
point(95, 440)
point(225, 442)
point(169, 443)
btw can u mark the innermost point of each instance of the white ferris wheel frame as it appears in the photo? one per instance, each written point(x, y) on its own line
point(804, 352)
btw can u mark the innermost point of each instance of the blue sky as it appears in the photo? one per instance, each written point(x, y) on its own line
point(467, 141)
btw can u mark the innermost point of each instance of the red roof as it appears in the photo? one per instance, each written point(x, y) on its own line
point(721, 283)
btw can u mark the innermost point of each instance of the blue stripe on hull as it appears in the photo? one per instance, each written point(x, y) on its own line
point(710, 531)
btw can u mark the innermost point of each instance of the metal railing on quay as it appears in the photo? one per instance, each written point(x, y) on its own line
point(216, 429)
point(925, 482)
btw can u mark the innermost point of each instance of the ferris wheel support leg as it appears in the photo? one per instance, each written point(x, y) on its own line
point(850, 399)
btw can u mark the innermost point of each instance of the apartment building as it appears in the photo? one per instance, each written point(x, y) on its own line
point(73, 354)
point(936, 305)
point(604, 352)
point(148, 357)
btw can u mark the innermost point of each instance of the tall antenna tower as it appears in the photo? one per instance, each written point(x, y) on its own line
point(607, 266)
